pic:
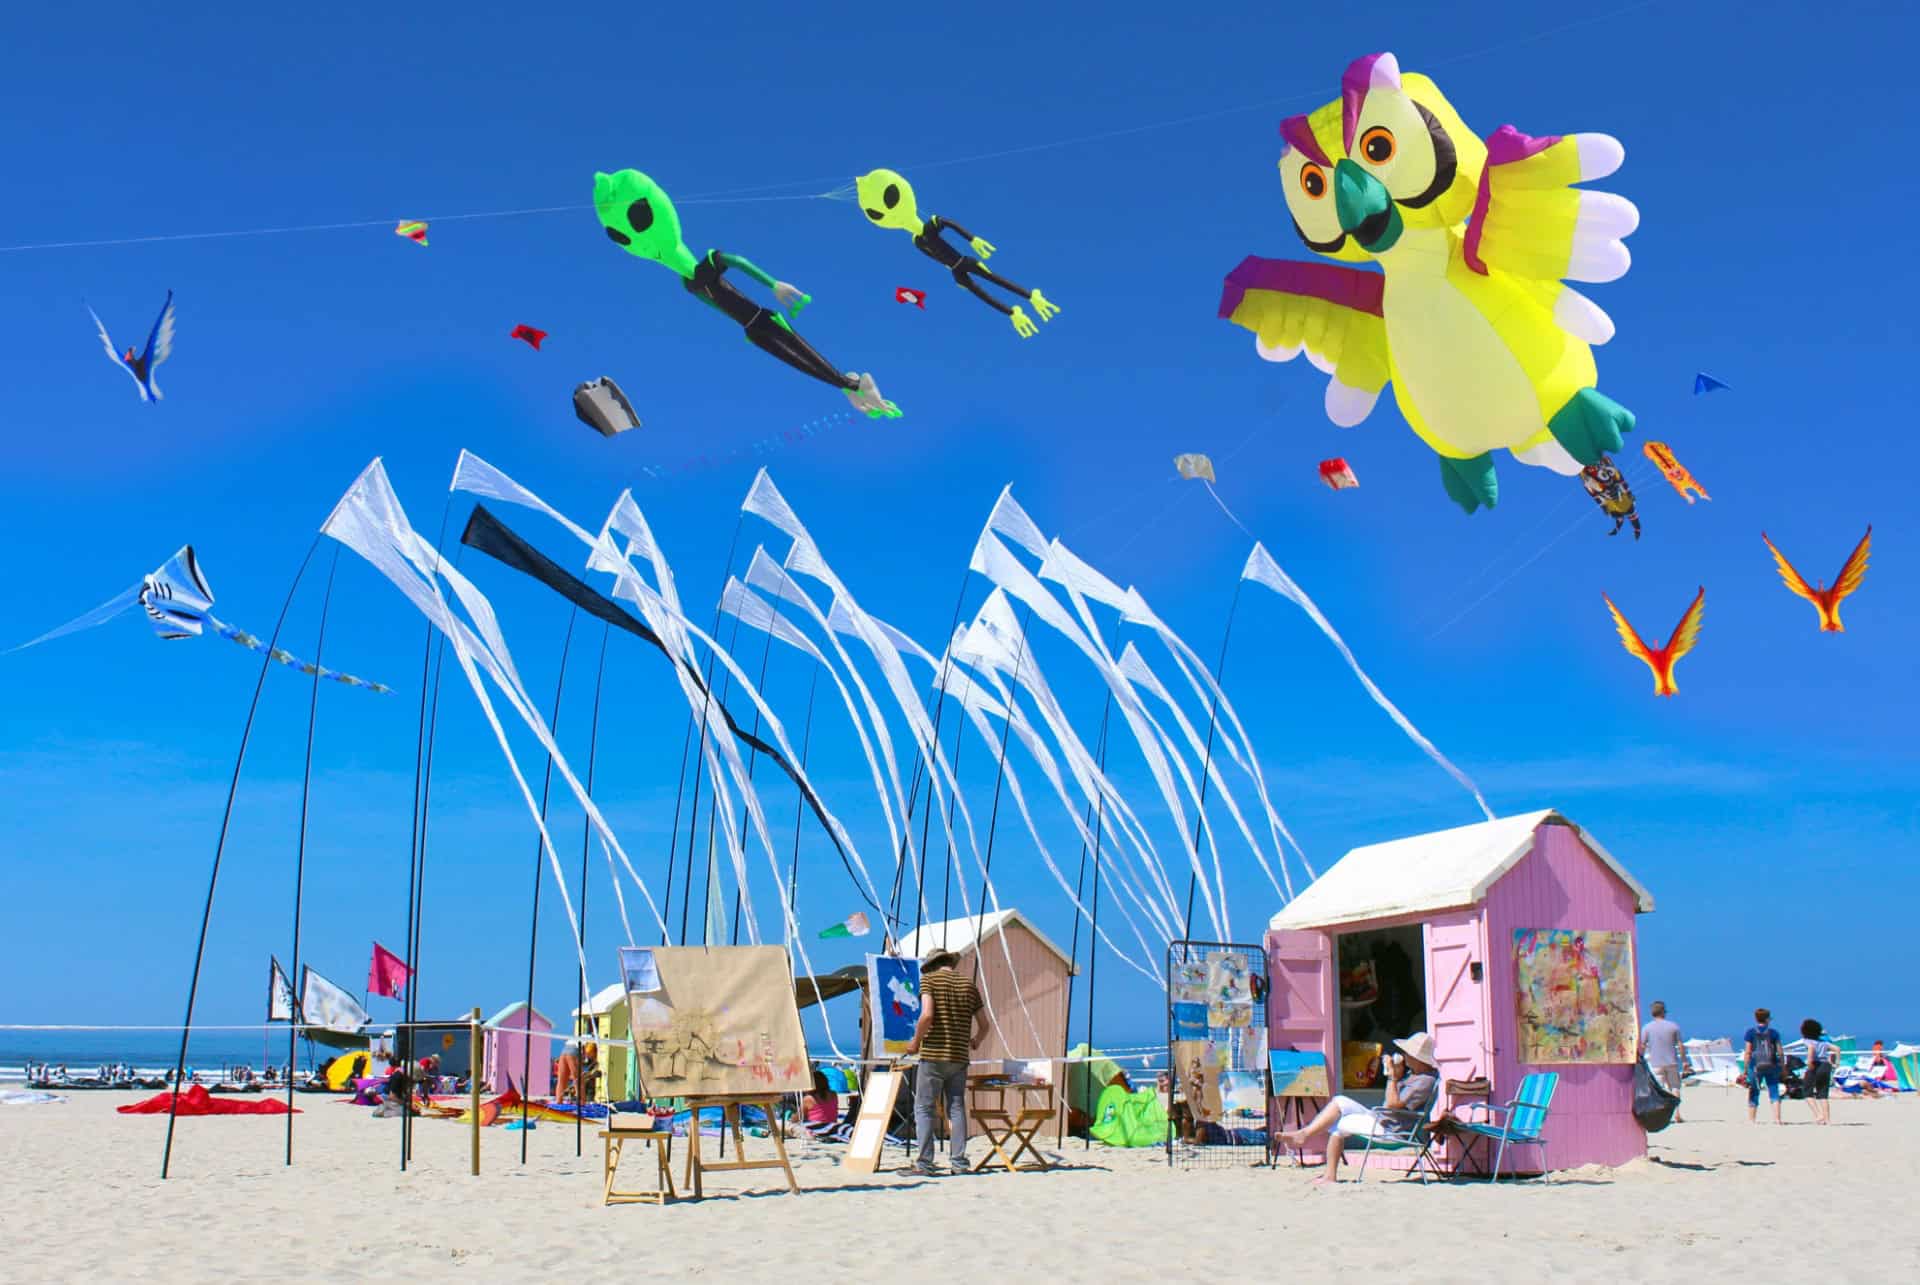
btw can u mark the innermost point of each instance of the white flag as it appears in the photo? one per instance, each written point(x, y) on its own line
point(327, 1006)
point(279, 994)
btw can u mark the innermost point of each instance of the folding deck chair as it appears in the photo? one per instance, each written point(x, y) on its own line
point(1517, 1123)
point(1401, 1135)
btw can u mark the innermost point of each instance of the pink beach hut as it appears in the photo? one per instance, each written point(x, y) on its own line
point(510, 1060)
point(1512, 941)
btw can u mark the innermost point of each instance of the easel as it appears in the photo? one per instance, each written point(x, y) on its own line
point(729, 1105)
point(1295, 1113)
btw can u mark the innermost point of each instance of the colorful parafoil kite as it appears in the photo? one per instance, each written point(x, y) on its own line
point(142, 364)
point(1484, 345)
point(887, 199)
point(1676, 473)
point(907, 294)
point(1608, 487)
point(531, 335)
point(639, 217)
point(1827, 601)
point(412, 229)
point(1338, 474)
point(1661, 660)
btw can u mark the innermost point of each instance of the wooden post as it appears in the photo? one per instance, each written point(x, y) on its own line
point(473, 1084)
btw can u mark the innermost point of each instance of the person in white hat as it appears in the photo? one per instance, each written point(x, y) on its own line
point(1412, 1083)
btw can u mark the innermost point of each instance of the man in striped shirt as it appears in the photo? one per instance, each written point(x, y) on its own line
point(953, 1022)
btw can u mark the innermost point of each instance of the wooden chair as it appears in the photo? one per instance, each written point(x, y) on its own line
point(615, 1136)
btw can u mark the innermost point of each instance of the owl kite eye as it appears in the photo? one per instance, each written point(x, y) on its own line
point(1313, 181)
point(1377, 145)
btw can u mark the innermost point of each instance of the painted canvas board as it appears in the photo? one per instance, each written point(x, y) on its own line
point(893, 1000)
point(1243, 1099)
point(1229, 990)
point(723, 1021)
point(1188, 983)
point(1198, 1064)
point(1298, 1075)
point(1189, 1021)
point(1574, 996)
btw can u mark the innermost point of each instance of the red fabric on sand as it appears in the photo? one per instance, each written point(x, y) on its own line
point(197, 1101)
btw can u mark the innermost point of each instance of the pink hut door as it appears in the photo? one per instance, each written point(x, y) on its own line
point(1458, 1011)
point(1300, 1002)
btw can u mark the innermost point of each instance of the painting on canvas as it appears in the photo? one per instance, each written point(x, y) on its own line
point(1197, 1065)
point(1229, 990)
point(1187, 983)
point(893, 998)
point(1574, 995)
point(723, 1021)
point(1243, 1099)
point(1298, 1075)
point(1189, 1021)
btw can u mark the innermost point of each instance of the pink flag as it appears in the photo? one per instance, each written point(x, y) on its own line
point(386, 975)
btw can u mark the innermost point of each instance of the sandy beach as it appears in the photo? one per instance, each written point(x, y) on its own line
point(1717, 1195)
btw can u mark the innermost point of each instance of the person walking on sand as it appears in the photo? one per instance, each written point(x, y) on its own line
point(1818, 1079)
point(953, 1022)
point(1764, 1062)
point(1664, 1048)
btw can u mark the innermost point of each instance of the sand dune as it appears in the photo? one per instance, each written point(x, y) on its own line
point(1718, 1200)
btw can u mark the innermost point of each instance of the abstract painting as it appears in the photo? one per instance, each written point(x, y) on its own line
point(723, 1021)
point(893, 991)
point(1574, 996)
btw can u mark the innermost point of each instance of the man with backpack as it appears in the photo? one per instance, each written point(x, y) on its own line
point(1764, 1062)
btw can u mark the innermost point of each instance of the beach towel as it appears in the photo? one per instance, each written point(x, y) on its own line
point(197, 1101)
point(1122, 1119)
point(30, 1098)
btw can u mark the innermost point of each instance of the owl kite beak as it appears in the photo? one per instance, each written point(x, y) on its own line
point(1367, 213)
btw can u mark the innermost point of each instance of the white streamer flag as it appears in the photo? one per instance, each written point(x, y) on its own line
point(327, 1006)
point(1262, 569)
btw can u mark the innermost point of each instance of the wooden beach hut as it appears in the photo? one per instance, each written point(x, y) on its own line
point(609, 1016)
point(519, 1051)
point(1030, 1017)
point(1511, 941)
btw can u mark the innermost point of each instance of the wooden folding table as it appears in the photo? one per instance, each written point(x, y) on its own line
point(615, 1135)
point(1010, 1126)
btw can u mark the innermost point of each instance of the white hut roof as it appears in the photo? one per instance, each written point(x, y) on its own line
point(1437, 871)
point(961, 935)
point(603, 1000)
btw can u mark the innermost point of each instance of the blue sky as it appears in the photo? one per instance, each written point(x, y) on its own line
point(1770, 806)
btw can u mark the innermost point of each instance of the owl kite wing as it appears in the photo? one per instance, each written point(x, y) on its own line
point(1687, 632)
point(1854, 569)
point(1331, 313)
point(1529, 219)
point(1794, 580)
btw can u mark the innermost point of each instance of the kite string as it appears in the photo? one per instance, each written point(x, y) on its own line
point(842, 190)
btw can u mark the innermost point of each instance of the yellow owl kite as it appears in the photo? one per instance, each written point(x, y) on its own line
point(1467, 317)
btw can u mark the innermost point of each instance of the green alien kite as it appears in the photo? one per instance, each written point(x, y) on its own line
point(888, 200)
point(639, 216)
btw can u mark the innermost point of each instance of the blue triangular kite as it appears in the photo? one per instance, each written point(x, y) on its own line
point(1705, 383)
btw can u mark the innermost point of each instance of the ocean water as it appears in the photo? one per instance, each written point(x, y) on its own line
point(82, 1052)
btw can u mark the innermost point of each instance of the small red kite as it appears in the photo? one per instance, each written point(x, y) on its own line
point(907, 294)
point(530, 334)
point(1661, 660)
point(1827, 601)
point(1337, 474)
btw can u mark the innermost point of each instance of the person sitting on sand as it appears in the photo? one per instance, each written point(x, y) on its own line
point(820, 1108)
point(1412, 1084)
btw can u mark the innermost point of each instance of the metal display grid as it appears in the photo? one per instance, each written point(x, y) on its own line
point(1209, 1145)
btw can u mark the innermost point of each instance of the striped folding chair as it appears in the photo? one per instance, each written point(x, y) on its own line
point(1518, 1123)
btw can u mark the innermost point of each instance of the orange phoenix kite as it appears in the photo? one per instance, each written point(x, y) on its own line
point(1825, 600)
point(1661, 660)
point(1675, 471)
